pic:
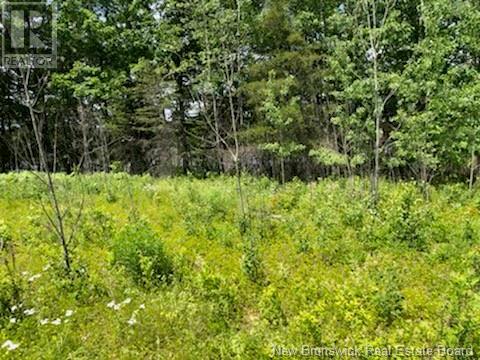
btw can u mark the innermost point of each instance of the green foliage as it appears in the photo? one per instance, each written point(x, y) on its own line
point(315, 264)
point(166, 87)
point(139, 250)
point(282, 114)
point(10, 289)
point(328, 157)
point(389, 300)
point(410, 220)
point(251, 262)
point(97, 228)
point(271, 306)
point(221, 295)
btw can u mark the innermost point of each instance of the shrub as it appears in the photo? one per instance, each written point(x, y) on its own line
point(220, 295)
point(410, 219)
point(389, 300)
point(141, 253)
point(97, 227)
point(251, 262)
point(271, 306)
point(468, 232)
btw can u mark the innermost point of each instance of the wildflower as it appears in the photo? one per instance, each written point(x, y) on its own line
point(44, 321)
point(133, 320)
point(34, 277)
point(127, 301)
point(13, 320)
point(46, 267)
point(10, 345)
point(111, 304)
point(68, 313)
point(142, 306)
point(29, 312)
point(14, 308)
point(56, 322)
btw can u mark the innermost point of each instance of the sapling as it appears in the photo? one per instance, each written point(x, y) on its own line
point(31, 97)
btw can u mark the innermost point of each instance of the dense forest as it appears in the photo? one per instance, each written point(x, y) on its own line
point(284, 88)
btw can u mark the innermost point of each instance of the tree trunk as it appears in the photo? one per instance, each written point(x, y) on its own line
point(59, 224)
point(55, 139)
point(378, 108)
point(87, 162)
point(182, 130)
point(105, 154)
point(378, 119)
point(218, 147)
point(473, 167)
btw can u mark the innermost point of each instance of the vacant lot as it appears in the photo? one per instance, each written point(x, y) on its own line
point(168, 269)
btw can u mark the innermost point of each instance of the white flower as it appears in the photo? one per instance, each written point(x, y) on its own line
point(44, 321)
point(111, 304)
point(127, 301)
point(10, 345)
point(34, 277)
point(68, 313)
point(142, 307)
point(56, 322)
point(132, 320)
point(29, 312)
point(14, 308)
point(13, 321)
point(46, 267)
point(24, 273)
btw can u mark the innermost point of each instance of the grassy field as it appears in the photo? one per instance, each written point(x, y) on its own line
point(161, 269)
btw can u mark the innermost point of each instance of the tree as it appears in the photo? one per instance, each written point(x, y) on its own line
point(282, 115)
point(439, 109)
point(377, 18)
point(220, 33)
point(31, 99)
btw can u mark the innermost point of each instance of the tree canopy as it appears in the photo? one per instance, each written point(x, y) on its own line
point(298, 88)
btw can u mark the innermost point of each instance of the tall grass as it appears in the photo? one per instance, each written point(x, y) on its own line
point(162, 271)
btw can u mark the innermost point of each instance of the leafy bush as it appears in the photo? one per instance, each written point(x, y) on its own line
point(251, 262)
point(97, 227)
point(141, 253)
point(271, 306)
point(409, 219)
point(389, 300)
point(220, 294)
